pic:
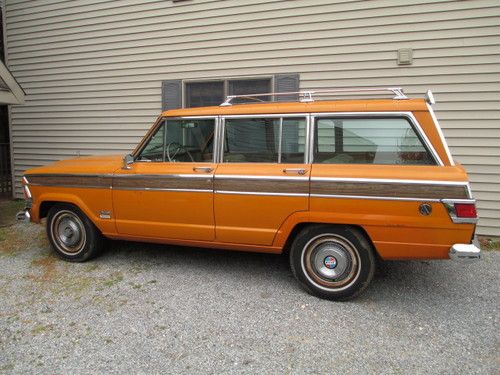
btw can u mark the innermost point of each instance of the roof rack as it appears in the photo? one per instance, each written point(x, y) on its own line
point(307, 96)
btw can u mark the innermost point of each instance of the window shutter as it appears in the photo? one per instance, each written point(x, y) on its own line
point(286, 83)
point(171, 94)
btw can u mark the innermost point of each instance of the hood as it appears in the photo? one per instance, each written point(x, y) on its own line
point(103, 164)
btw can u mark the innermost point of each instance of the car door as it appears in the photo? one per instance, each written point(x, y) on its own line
point(168, 190)
point(262, 178)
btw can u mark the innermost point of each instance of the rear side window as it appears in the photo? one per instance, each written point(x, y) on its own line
point(264, 140)
point(368, 141)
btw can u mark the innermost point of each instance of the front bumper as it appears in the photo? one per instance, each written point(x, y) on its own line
point(23, 216)
point(465, 252)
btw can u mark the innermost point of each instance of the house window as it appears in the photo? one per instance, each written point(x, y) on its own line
point(178, 93)
point(202, 94)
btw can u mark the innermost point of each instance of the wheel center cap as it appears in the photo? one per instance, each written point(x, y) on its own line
point(330, 262)
point(68, 231)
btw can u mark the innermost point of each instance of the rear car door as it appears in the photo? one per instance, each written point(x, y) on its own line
point(262, 178)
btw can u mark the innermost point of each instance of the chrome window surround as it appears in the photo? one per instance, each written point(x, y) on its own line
point(281, 116)
point(450, 207)
point(441, 135)
point(160, 121)
point(408, 115)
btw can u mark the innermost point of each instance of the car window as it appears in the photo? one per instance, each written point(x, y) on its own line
point(181, 141)
point(368, 141)
point(264, 140)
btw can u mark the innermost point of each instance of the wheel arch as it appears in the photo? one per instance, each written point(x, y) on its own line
point(289, 231)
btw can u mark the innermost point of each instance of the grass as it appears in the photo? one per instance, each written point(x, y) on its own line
point(8, 210)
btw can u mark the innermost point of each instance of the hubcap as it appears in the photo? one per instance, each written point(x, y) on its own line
point(68, 232)
point(330, 261)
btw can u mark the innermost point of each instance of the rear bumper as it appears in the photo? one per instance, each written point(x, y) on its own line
point(465, 252)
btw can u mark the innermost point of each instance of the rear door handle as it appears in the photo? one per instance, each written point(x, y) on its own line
point(300, 171)
point(203, 169)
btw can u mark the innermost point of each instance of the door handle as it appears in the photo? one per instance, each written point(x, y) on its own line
point(300, 171)
point(203, 169)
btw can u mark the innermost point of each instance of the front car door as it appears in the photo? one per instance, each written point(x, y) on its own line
point(168, 191)
point(262, 178)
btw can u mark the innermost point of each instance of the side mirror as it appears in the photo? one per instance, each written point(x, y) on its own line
point(127, 161)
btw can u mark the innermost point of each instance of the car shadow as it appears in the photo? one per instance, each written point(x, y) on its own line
point(393, 280)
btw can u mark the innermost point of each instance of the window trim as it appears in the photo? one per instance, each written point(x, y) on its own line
point(160, 121)
point(223, 118)
point(406, 115)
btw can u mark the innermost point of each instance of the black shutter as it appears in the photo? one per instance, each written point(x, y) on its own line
point(171, 94)
point(286, 83)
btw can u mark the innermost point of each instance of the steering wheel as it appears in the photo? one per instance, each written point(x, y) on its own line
point(171, 157)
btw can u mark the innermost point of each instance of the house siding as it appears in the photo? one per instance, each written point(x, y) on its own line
point(93, 70)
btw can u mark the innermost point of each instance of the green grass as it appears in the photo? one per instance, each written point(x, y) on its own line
point(8, 210)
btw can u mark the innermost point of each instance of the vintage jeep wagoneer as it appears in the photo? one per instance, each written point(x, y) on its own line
point(334, 184)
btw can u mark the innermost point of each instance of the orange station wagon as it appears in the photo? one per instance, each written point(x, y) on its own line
point(333, 184)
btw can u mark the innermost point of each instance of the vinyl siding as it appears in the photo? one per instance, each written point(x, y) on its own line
point(92, 70)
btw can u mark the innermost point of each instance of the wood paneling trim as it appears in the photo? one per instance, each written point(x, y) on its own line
point(262, 186)
point(390, 190)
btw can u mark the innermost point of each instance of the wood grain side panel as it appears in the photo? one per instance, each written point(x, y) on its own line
point(88, 181)
point(263, 186)
point(390, 190)
point(162, 182)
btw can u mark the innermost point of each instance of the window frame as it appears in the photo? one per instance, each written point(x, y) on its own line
point(221, 143)
point(417, 128)
point(159, 123)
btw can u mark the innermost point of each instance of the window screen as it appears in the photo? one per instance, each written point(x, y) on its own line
point(203, 94)
point(368, 141)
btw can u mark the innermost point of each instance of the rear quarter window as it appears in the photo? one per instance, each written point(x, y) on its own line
point(369, 141)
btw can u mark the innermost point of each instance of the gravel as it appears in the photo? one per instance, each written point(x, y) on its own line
point(145, 308)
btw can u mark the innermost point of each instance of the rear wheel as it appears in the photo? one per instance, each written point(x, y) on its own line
point(72, 235)
point(332, 262)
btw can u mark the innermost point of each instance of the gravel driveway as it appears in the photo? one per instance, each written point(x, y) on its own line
point(143, 308)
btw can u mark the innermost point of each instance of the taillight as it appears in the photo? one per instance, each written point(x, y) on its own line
point(461, 210)
point(466, 210)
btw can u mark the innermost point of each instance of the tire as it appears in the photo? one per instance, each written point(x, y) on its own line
point(72, 235)
point(332, 262)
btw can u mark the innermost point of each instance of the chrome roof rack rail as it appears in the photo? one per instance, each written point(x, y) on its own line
point(307, 96)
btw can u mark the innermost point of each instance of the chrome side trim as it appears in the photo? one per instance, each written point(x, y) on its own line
point(75, 186)
point(450, 207)
point(441, 135)
point(374, 198)
point(408, 115)
point(162, 176)
point(262, 178)
point(388, 181)
point(164, 189)
point(262, 193)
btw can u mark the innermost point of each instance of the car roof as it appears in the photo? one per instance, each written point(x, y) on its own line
point(366, 105)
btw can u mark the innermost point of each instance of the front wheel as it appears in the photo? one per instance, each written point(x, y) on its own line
point(332, 262)
point(72, 235)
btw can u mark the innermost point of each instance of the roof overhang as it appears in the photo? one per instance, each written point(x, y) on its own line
point(10, 91)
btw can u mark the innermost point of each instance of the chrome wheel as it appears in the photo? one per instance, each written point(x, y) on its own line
point(331, 262)
point(68, 232)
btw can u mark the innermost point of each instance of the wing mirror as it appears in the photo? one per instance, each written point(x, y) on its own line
point(127, 161)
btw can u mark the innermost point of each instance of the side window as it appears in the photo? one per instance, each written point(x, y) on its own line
point(154, 149)
point(264, 140)
point(368, 141)
point(181, 141)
